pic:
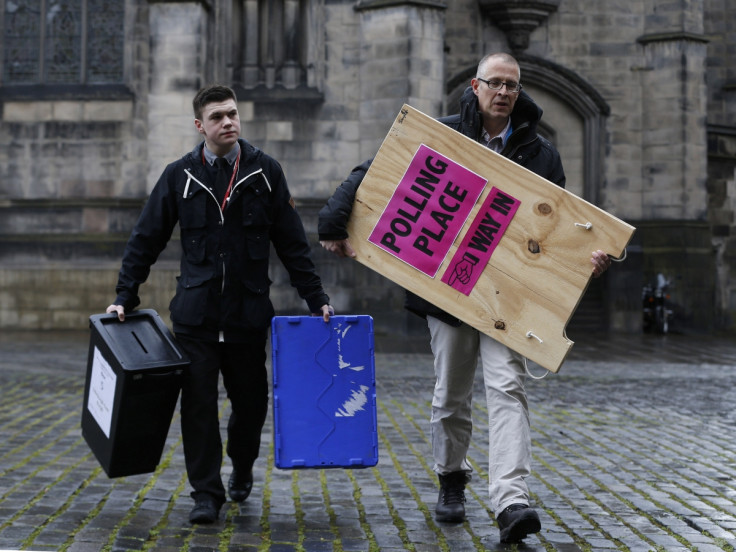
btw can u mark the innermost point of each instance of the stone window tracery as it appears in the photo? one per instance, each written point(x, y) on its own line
point(62, 42)
point(274, 46)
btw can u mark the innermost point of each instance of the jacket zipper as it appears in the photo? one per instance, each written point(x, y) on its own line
point(221, 336)
point(206, 189)
point(516, 147)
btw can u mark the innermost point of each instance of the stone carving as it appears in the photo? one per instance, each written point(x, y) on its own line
point(518, 18)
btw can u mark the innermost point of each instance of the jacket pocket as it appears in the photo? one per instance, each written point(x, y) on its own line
point(256, 281)
point(257, 244)
point(194, 246)
point(257, 208)
point(255, 213)
point(193, 208)
point(190, 302)
point(255, 307)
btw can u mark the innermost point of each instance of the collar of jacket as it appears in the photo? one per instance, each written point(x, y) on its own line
point(249, 157)
point(524, 118)
point(249, 166)
point(248, 153)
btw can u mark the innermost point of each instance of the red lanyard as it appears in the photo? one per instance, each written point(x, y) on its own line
point(232, 179)
point(230, 186)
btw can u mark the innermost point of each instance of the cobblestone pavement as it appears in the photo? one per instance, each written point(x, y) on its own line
point(634, 449)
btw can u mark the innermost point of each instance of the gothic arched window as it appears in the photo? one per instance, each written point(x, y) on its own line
point(62, 42)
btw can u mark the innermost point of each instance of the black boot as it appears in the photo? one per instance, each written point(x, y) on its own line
point(517, 521)
point(206, 510)
point(240, 485)
point(451, 501)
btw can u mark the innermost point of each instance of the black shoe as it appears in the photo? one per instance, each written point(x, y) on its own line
point(451, 501)
point(240, 485)
point(517, 521)
point(205, 510)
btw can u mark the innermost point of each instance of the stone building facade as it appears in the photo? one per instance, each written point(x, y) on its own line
point(639, 97)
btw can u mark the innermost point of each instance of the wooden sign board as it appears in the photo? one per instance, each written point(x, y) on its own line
point(479, 236)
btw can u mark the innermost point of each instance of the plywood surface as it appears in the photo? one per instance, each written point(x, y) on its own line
point(540, 267)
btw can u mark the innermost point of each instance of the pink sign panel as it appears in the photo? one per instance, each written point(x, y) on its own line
point(427, 210)
point(481, 240)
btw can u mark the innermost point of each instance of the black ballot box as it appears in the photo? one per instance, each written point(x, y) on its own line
point(134, 372)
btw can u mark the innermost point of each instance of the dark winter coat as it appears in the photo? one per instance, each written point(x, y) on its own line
point(224, 282)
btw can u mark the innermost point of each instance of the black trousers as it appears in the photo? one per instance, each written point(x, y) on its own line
point(243, 369)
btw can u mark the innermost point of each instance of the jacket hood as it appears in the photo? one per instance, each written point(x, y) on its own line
point(525, 111)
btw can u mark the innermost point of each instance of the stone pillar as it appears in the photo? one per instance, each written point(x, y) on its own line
point(401, 61)
point(290, 71)
point(675, 235)
point(725, 245)
point(674, 146)
point(179, 52)
point(250, 71)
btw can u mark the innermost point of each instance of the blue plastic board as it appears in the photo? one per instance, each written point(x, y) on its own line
point(324, 392)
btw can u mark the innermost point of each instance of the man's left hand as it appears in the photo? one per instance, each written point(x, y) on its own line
point(327, 311)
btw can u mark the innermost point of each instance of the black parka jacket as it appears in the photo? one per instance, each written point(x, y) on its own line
point(524, 147)
point(224, 283)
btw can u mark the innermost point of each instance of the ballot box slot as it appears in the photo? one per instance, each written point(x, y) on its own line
point(140, 342)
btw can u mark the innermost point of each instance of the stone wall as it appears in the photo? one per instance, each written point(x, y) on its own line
point(659, 152)
point(721, 128)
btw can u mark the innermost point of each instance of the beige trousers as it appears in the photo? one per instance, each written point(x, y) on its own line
point(456, 354)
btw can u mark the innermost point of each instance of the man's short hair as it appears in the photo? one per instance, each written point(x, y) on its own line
point(504, 57)
point(210, 94)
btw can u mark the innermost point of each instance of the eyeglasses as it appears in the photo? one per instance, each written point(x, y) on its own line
point(495, 84)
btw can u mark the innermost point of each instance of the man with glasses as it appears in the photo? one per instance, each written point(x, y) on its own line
point(495, 112)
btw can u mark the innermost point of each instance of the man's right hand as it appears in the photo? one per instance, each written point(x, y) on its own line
point(341, 248)
point(118, 309)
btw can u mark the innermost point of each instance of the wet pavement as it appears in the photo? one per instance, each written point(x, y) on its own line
point(634, 447)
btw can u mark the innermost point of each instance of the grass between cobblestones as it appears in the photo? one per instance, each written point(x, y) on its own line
point(430, 473)
point(470, 490)
point(299, 514)
point(621, 467)
point(140, 497)
point(362, 517)
point(586, 445)
point(330, 511)
point(64, 507)
point(162, 523)
point(397, 521)
point(612, 474)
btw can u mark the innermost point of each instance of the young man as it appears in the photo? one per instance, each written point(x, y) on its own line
point(495, 112)
point(231, 202)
